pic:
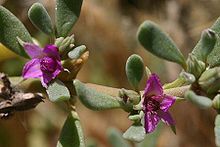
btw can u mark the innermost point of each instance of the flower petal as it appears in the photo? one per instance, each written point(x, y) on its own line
point(150, 121)
point(32, 69)
point(52, 50)
point(153, 86)
point(46, 78)
point(33, 50)
point(166, 118)
point(59, 68)
point(167, 102)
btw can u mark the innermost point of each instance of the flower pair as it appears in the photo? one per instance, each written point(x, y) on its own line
point(46, 65)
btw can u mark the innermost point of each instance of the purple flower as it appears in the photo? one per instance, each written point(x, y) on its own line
point(156, 105)
point(44, 64)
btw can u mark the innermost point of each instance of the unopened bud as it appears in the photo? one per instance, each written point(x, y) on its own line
point(65, 45)
point(58, 41)
point(129, 96)
point(195, 66)
point(216, 102)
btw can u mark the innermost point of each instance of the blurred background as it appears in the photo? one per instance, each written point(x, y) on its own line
point(108, 29)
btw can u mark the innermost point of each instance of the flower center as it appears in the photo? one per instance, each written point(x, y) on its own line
point(152, 105)
point(48, 64)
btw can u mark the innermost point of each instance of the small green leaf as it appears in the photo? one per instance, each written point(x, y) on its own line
point(40, 18)
point(134, 70)
point(77, 52)
point(201, 101)
point(205, 45)
point(214, 56)
point(67, 13)
point(71, 134)
point(93, 99)
point(217, 130)
point(115, 138)
point(57, 91)
point(10, 29)
point(135, 133)
point(158, 43)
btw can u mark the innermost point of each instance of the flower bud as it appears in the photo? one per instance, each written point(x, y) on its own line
point(195, 66)
point(216, 102)
point(184, 78)
point(58, 41)
point(65, 45)
point(129, 96)
point(209, 80)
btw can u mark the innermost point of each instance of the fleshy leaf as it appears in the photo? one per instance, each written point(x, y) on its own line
point(135, 133)
point(77, 52)
point(93, 99)
point(71, 134)
point(57, 91)
point(158, 43)
point(214, 56)
point(67, 13)
point(115, 138)
point(134, 70)
point(40, 18)
point(205, 45)
point(209, 80)
point(201, 101)
point(10, 29)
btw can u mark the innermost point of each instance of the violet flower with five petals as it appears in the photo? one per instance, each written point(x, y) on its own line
point(44, 64)
point(156, 105)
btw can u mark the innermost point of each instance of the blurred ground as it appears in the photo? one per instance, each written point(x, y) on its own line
point(108, 29)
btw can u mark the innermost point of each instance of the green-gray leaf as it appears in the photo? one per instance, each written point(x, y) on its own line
point(93, 99)
point(57, 91)
point(10, 29)
point(77, 52)
point(158, 43)
point(214, 56)
point(71, 134)
point(135, 133)
point(115, 138)
point(40, 18)
point(201, 101)
point(67, 13)
point(205, 45)
point(134, 70)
